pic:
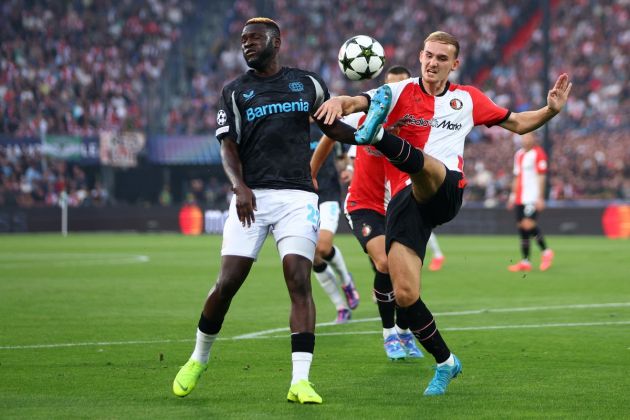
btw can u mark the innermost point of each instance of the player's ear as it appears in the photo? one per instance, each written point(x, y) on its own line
point(277, 42)
point(455, 64)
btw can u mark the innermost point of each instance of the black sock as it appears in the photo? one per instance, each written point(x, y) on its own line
point(207, 326)
point(423, 327)
point(400, 153)
point(331, 255)
point(401, 318)
point(384, 298)
point(524, 243)
point(302, 342)
point(537, 234)
point(320, 268)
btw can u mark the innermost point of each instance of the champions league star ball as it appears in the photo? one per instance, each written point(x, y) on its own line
point(361, 58)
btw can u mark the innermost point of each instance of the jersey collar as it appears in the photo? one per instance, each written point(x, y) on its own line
point(446, 87)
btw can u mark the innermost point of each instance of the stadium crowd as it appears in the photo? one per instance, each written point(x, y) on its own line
point(34, 180)
point(76, 67)
point(57, 77)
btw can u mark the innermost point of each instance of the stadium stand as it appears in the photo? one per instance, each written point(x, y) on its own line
point(158, 66)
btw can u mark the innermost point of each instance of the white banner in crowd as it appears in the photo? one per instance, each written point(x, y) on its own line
point(121, 149)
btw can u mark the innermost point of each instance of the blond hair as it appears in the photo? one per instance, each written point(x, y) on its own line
point(270, 23)
point(444, 38)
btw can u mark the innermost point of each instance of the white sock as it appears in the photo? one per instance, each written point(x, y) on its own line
point(401, 331)
point(388, 331)
point(339, 265)
point(202, 347)
point(450, 361)
point(435, 247)
point(379, 136)
point(301, 365)
point(329, 283)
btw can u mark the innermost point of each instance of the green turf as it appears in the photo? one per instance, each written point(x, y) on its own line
point(124, 327)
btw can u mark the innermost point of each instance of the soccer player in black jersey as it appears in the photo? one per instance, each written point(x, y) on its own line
point(263, 127)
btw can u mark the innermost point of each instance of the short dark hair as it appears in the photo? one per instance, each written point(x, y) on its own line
point(398, 69)
point(269, 23)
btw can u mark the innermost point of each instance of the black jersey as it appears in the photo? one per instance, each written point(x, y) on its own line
point(268, 119)
point(329, 188)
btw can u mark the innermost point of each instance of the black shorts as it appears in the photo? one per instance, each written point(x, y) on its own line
point(411, 223)
point(525, 211)
point(366, 224)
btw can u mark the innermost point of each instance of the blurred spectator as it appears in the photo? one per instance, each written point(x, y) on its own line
point(165, 199)
point(83, 66)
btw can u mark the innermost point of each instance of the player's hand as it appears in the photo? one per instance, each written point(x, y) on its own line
point(540, 204)
point(330, 110)
point(315, 184)
point(558, 96)
point(245, 205)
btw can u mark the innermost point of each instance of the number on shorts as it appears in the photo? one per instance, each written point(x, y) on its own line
point(313, 214)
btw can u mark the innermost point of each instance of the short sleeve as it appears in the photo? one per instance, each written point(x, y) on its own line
point(226, 117)
point(485, 111)
point(321, 91)
point(541, 161)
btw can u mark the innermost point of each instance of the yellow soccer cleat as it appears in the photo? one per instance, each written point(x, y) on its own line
point(187, 377)
point(303, 392)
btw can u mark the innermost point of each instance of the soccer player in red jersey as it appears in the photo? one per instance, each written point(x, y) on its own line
point(365, 206)
point(528, 199)
point(420, 125)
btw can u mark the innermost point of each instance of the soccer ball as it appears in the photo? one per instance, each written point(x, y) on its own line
point(361, 58)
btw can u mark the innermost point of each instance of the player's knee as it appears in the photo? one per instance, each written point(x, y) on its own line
point(528, 224)
point(406, 296)
point(225, 289)
point(322, 250)
point(380, 263)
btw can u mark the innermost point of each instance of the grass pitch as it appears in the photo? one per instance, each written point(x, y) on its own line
point(96, 326)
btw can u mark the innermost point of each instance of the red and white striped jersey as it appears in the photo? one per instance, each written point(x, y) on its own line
point(437, 124)
point(528, 165)
point(368, 189)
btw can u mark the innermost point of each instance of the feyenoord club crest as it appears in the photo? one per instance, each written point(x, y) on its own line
point(366, 230)
point(456, 104)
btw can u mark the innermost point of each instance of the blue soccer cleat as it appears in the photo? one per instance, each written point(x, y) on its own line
point(379, 107)
point(408, 342)
point(442, 377)
point(393, 348)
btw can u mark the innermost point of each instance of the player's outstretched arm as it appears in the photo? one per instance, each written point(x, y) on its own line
point(323, 149)
point(245, 198)
point(337, 107)
point(525, 122)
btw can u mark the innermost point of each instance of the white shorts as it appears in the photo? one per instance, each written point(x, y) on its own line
point(329, 213)
point(285, 213)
